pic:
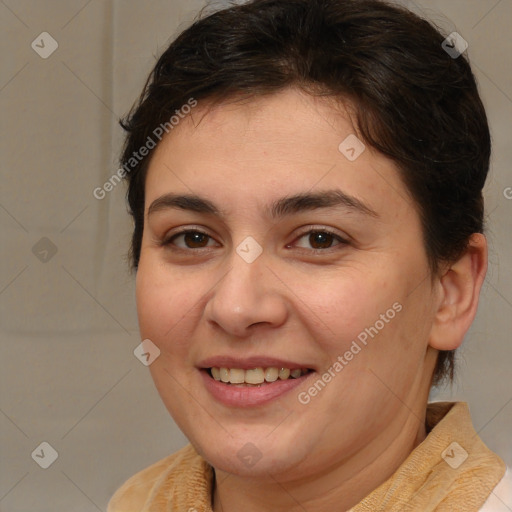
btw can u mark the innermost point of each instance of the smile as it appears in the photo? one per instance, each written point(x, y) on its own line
point(251, 387)
point(255, 376)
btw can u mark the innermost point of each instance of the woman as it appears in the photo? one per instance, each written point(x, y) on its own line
point(305, 178)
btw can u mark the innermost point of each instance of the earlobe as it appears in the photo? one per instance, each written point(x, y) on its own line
point(459, 293)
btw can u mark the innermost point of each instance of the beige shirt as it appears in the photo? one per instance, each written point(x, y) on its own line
point(450, 471)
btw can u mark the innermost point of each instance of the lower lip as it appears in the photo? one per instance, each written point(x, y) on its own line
point(250, 396)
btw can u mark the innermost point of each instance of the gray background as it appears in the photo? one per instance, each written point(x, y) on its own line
point(68, 374)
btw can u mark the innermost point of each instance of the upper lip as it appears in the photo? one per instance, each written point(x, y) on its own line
point(249, 362)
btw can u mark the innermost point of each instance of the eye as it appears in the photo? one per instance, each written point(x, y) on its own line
point(322, 239)
point(192, 238)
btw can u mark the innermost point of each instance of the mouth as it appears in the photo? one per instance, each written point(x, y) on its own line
point(252, 382)
point(255, 377)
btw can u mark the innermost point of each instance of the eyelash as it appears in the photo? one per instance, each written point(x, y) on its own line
point(169, 240)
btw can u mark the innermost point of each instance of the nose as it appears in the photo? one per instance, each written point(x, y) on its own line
point(249, 294)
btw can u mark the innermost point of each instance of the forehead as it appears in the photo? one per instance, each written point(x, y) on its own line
point(288, 141)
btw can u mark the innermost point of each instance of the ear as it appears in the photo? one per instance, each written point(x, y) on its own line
point(459, 290)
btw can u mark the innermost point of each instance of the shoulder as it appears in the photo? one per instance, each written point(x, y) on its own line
point(134, 493)
point(500, 500)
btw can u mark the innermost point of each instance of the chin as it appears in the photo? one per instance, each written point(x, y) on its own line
point(252, 455)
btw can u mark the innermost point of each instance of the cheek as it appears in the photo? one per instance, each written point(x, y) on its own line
point(165, 304)
point(350, 303)
point(374, 322)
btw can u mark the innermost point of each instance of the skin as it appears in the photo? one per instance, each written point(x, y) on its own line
point(200, 300)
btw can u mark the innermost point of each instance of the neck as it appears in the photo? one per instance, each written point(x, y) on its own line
point(337, 488)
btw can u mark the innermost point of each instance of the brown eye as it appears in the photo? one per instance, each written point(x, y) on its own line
point(319, 240)
point(324, 240)
point(192, 239)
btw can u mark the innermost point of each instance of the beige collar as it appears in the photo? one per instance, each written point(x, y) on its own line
point(451, 470)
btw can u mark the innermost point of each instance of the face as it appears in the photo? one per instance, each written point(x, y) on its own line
point(245, 276)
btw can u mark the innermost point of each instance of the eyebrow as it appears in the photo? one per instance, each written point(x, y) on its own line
point(284, 206)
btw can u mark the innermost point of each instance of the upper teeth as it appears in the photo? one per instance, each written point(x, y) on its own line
point(255, 375)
